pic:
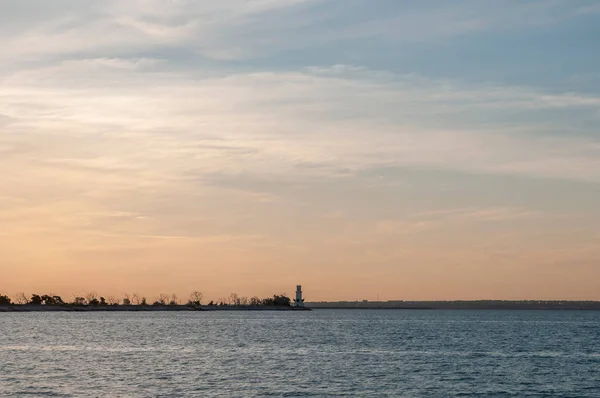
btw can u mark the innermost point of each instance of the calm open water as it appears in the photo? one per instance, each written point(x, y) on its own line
point(321, 353)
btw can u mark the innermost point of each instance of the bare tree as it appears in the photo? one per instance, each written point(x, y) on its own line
point(255, 301)
point(135, 299)
point(234, 299)
point(162, 299)
point(92, 298)
point(112, 300)
point(126, 299)
point(244, 300)
point(174, 300)
point(196, 298)
point(21, 298)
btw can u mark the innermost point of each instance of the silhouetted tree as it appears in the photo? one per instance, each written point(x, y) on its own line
point(36, 299)
point(234, 299)
point(281, 300)
point(102, 301)
point(255, 301)
point(21, 298)
point(4, 300)
point(212, 303)
point(162, 299)
point(92, 298)
point(52, 300)
point(174, 300)
point(143, 301)
point(79, 301)
point(112, 300)
point(196, 298)
point(278, 300)
point(267, 301)
point(136, 299)
point(126, 301)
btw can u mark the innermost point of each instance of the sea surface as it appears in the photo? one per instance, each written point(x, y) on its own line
point(363, 353)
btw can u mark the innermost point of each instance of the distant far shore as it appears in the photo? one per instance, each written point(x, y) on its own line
point(141, 308)
point(460, 305)
point(346, 305)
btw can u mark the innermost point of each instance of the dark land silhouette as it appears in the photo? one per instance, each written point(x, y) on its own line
point(462, 305)
point(136, 302)
point(164, 302)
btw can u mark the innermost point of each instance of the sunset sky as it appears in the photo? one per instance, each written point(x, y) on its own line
point(361, 148)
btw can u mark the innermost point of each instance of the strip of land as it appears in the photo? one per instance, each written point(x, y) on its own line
point(370, 305)
point(461, 305)
point(140, 308)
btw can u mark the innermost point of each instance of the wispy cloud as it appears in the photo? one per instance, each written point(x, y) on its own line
point(589, 9)
point(391, 227)
point(480, 214)
point(231, 29)
point(336, 115)
point(113, 27)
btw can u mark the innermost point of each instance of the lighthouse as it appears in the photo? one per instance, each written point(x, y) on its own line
point(299, 301)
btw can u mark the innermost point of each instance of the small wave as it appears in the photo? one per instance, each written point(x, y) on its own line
point(14, 348)
point(62, 348)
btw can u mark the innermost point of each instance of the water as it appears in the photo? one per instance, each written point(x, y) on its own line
point(320, 353)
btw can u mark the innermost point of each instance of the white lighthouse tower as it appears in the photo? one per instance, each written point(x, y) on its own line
point(299, 301)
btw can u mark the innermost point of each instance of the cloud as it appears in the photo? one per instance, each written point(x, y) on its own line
point(238, 29)
point(111, 115)
point(490, 214)
point(589, 9)
point(69, 28)
point(394, 227)
point(429, 221)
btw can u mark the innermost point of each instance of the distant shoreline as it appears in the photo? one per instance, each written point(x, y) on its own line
point(342, 305)
point(461, 305)
point(140, 308)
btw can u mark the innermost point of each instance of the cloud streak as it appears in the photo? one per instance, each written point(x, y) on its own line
point(333, 110)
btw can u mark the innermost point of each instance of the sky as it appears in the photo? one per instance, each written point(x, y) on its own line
point(416, 150)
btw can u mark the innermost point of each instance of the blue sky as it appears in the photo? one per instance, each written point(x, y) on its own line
point(450, 148)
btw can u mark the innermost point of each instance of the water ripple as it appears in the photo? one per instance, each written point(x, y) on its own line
point(326, 353)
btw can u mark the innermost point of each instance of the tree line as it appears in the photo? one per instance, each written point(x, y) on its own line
point(135, 299)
